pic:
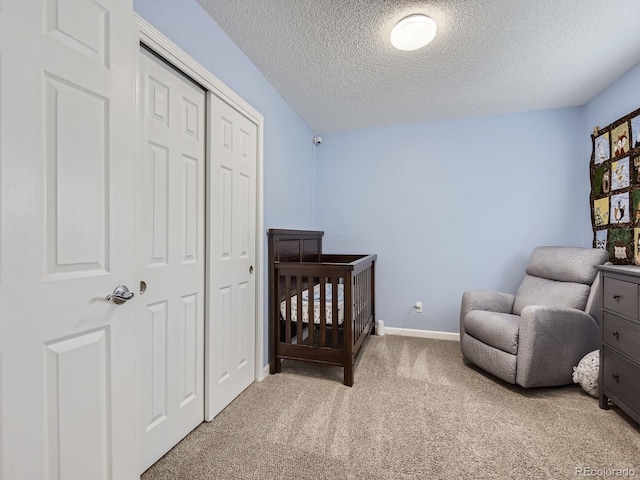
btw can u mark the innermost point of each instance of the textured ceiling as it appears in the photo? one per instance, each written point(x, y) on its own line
point(332, 61)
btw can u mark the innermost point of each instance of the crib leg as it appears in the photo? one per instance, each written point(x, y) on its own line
point(348, 374)
point(278, 365)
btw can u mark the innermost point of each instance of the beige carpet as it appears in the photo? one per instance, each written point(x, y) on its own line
point(416, 411)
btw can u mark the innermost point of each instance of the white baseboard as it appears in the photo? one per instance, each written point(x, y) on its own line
point(263, 374)
point(411, 332)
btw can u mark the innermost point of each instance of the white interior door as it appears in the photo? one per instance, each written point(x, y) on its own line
point(232, 291)
point(67, 130)
point(170, 256)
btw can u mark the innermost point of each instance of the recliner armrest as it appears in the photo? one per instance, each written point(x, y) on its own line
point(486, 300)
point(551, 341)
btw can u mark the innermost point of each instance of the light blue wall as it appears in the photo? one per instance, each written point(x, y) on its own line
point(287, 138)
point(452, 205)
point(617, 100)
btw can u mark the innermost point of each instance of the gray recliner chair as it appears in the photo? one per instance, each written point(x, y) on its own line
point(536, 337)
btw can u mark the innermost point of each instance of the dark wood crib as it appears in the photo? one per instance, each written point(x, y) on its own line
point(322, 307)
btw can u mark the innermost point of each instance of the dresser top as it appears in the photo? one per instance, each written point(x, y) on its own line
point(626, 269)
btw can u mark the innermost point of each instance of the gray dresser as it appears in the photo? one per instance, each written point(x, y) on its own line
point(620, 335)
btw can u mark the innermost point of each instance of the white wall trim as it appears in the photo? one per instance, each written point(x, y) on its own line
point(264, 374)
point(156, 41)
point(180, 59)
point(411, 332)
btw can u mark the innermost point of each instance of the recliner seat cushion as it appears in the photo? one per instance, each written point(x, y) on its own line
point(541, 291)
point(566, 264)
point(501, 364)
point(498, 330)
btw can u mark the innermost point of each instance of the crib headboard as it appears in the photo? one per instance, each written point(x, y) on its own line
point(294, 245)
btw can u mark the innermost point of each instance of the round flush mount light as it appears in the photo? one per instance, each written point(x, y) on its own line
point(413, 32)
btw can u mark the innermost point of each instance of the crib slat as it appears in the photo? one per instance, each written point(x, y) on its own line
point(365, 283)
point(363, 294)
point(300, 316)
point(310, 305)
point(287, 323)
point(348, 330)
point(361, 320)
point(354, 301)
point(334, 312)
point(367, 289)
point(365, 299)
point(369, 292)
point(323, 312)
point(361, 287)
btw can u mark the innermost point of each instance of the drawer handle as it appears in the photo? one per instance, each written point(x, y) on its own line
point(615, 334)
point(616, 377)
point(616, 298)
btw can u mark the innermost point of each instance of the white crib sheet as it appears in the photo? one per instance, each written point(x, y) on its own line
point(316, 305)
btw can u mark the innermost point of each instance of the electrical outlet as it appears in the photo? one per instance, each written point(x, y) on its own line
point(419, 307)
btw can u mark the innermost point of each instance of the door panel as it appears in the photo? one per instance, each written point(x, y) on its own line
point(170, 217)
point(76, 157)
point(155, 361)
point(157, 253)
point(67, 128)
point(232, 219)
point(189, 341)
point(77, 401)
point(80, 25)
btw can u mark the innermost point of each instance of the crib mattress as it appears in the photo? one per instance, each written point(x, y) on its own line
point(316, 305)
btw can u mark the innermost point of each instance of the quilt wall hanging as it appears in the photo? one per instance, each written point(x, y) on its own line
point(615, 189)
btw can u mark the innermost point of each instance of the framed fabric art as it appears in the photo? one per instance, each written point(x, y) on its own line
point(635, 129)
point(602, 148)
point(615, 189)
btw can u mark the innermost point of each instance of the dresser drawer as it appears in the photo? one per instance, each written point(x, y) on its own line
point(621, 335)
point(620, 378)
point(621, 297)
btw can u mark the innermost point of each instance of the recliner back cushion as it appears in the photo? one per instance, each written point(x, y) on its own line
point(541, 291)
point(566, 264)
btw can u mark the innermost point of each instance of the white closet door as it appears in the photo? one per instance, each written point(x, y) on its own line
point(66, 241)
point(232, 290)
point(170, 256)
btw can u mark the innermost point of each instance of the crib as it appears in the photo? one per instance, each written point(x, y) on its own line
point(322, 306)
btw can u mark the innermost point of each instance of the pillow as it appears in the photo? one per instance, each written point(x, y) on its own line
point(587, 372)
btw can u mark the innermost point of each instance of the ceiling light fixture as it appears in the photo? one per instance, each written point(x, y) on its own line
point(413, 32)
